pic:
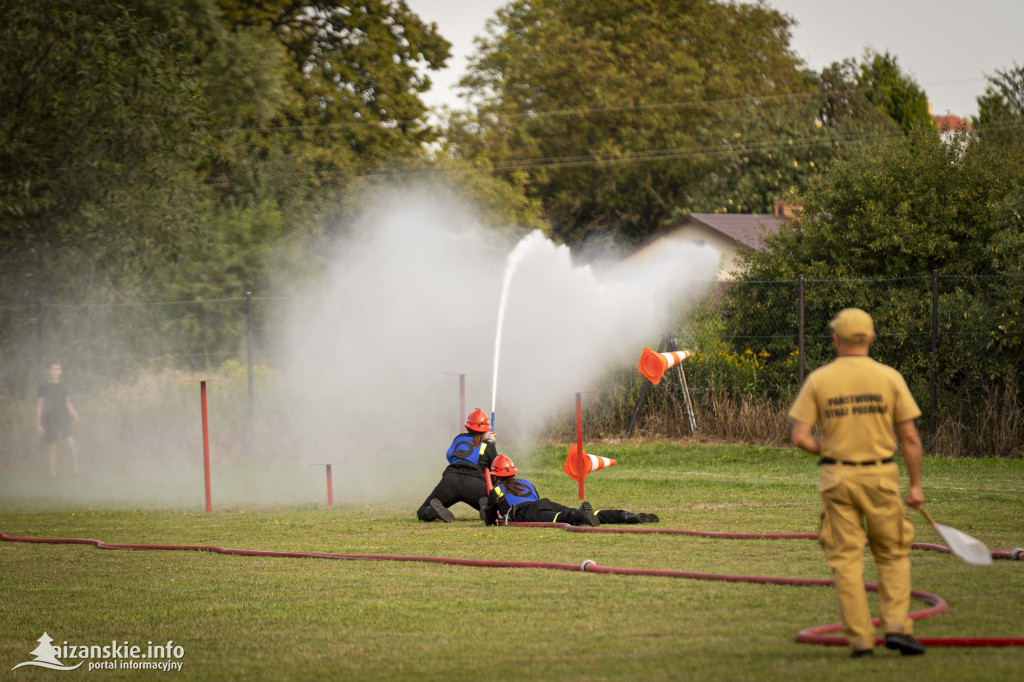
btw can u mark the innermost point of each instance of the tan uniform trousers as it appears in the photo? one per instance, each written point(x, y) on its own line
point(850, 494)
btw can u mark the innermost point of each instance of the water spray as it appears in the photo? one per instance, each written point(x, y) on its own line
point(511, 263)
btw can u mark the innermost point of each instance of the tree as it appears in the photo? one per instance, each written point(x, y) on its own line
point(778, 147)
point(845, 105)
point(354, 83)
point(617, 113)
point(243, 77)
point(307, 96)
point(873, 228)
point(101, 124)
point(897, 93)
point(1000, 116)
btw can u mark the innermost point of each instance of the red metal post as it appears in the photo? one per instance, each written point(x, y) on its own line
point(579, 442)
point(206, 446)
point(330, 488)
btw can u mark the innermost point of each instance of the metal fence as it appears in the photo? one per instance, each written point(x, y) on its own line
point(953, 337)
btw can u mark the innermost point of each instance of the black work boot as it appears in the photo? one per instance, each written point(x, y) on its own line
point(442, 512)
point(488, 512)
point(906, 644)
point(587, 515)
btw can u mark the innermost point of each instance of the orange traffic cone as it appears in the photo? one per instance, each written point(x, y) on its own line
point(654, 365)
point(590, 463)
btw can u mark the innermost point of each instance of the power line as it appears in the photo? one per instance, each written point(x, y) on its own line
point(610, 158)
point(575, 111)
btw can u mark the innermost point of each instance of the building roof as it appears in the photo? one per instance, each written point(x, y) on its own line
point(743, 228)
point(951, 122)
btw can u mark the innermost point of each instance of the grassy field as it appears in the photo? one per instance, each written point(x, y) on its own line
point(279, 618)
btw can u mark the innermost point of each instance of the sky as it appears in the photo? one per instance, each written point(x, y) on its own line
point(948, 46)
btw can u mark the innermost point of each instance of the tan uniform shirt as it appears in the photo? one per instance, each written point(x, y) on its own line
point(858, 402)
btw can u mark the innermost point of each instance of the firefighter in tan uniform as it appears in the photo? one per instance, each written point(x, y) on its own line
point(857, 401)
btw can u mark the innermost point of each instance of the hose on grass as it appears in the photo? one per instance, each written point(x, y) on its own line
point(1016, 554)
point(813, 635)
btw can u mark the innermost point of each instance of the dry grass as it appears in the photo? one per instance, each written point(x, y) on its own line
point(722, 417)
point(998, 432)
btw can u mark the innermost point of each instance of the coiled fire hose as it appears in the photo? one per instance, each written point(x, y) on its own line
point(814, 635)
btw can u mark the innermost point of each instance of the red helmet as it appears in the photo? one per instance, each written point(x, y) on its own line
point(502, 467)
point(477, 421)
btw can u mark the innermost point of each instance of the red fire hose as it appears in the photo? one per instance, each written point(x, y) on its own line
point(1012, 554)
point(813, 635)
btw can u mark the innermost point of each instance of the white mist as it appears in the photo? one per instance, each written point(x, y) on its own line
point(414, 292)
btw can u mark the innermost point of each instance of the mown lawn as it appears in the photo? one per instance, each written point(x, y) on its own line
point(280, 618)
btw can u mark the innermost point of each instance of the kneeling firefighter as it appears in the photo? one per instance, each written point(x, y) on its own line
point(516, 499)
point(469, 456)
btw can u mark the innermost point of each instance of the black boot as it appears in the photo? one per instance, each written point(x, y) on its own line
point(441, 511)
point(648, 518)
point(905, 644)
point(587, 515)
point(488, 511)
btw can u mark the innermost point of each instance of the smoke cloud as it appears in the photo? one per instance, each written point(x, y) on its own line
point(411, 296)
point(414, 294)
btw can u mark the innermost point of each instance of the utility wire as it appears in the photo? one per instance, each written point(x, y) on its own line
point(585, 111)
point(615, 158)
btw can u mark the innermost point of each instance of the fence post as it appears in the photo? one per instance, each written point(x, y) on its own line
point(934, 357)
point(800, 331)
point(41, 352)
point(248, 350)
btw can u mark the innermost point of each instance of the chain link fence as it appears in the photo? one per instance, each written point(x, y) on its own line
point(956, 339)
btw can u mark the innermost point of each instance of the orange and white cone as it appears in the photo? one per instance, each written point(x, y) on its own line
point(590, 463)
point(653, 365)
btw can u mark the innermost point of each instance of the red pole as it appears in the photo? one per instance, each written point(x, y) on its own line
point(330, 488)
point(579, 442)
point(206, 446)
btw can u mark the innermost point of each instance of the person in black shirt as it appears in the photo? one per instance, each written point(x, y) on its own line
point(55, 416)
point(469, 456)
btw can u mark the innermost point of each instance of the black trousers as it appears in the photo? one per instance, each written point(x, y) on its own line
point(455, 486)
point(614, 516)
point(543, 510)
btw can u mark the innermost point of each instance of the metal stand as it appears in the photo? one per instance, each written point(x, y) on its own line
point(330, 482)
point(668, 344)
point(462, 396)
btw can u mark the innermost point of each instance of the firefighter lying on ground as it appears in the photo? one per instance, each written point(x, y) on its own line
point(516, 499)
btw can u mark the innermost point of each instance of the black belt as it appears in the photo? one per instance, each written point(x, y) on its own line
point(829, 460)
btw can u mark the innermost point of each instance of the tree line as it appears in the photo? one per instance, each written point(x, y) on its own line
point(198, 149)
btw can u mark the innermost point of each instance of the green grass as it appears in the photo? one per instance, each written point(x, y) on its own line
point(276, 618)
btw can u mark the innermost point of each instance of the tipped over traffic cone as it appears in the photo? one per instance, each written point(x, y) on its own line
point(590, 463)
point(654, 365)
